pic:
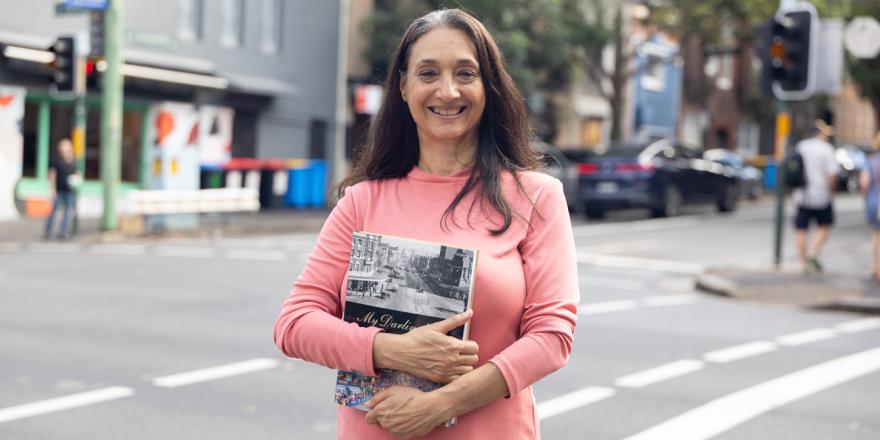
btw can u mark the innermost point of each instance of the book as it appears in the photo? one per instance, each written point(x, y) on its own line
point(399, 284)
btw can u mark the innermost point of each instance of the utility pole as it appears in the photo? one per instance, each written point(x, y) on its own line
point(111, 114)
point(783, 129)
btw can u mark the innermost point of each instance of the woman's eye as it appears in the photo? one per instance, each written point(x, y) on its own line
point(468, 74)
point(427, 74)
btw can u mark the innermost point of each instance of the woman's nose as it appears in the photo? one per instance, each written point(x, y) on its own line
point(448, 89)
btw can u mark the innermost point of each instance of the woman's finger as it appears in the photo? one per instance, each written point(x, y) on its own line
point(468, 347)
point(469, 359)
point(452, 322)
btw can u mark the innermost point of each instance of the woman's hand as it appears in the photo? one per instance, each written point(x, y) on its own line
point(405, 412)
point(427, 351)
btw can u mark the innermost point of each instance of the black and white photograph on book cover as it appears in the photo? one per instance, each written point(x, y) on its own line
point(409, 276)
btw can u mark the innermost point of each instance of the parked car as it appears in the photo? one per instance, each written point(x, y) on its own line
point(559, 166)
point(660, 175)
point(852, 161)
point(751, 179)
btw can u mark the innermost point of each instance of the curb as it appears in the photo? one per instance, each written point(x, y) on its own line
point(715, 285)
point(719, 285)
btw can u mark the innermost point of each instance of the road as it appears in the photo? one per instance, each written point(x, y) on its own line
point(173, 339)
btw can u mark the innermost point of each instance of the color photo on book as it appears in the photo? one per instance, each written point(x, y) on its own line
point(399, 284)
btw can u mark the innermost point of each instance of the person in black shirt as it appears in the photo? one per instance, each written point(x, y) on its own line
point(63, 179)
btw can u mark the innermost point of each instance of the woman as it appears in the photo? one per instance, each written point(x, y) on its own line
point(869, 181)
point(448, 160)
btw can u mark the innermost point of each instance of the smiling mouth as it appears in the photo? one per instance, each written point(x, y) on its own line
point(447, 112)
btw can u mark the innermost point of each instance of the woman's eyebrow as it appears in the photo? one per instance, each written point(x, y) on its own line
point(461, 61)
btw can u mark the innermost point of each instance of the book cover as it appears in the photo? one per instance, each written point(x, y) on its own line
point(399, 284)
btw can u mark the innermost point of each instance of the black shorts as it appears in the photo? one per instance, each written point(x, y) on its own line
point(822, 216)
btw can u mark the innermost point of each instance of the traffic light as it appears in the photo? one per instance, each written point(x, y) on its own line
point(65, 73)
point(791, 52)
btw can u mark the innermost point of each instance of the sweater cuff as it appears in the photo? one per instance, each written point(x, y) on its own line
point(506, 372)
point(369, 335)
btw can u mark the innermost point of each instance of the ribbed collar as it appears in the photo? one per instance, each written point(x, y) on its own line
point(419, 174)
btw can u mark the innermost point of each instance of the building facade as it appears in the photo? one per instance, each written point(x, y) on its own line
point(205, 81)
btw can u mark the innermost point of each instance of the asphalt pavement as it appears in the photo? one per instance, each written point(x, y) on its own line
point(170, 337)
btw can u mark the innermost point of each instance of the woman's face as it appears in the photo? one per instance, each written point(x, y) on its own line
point(443, 88)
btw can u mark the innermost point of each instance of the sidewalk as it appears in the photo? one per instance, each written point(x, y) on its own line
point(844, 285)
point(232, 224)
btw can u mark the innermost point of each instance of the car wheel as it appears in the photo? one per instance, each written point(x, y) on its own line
point(594, 213)
point(729, 198)
point(671, 203)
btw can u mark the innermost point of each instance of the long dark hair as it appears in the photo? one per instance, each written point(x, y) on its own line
point(504, 139)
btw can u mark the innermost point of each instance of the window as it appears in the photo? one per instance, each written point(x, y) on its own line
point(232, 34)
point(654, 78)
point(190, 20)
point(271, 26)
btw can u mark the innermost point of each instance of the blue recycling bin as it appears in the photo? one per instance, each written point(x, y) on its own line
point(770, 175)
point(307, 185)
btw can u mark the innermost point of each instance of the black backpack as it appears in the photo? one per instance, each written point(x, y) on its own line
point(793, 169)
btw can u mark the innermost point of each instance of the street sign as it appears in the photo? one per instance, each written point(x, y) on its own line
point(829, 72)
point(96, 34)
point(87, 5)
point(862, 37)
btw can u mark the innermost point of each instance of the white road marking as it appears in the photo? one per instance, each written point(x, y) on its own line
point(11, 247)
point(722, 414)
point(184, 251)
point(606, 307)
point(219, 372)
point(119, 249)
point(56, 248)
point(573, 400)
point(630, 304)
point(659, 374)
point(261, 255)
point(623, 246)
point(669, 300)
point(62, 403)
point(612, 283)
point(638, 225)
point(739, 352)
point(806, 337)
point(859, 325)
point(640, 263)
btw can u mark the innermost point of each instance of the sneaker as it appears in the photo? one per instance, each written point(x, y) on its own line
point(815, 264)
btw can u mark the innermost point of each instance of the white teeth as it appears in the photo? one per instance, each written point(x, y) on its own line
point(446, 112)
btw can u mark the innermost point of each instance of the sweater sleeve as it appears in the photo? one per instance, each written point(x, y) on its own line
point(310, 325)
point(552, 296)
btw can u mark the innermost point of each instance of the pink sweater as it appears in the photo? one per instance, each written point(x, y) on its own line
point(525, 300)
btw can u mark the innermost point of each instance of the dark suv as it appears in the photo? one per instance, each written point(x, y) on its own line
point(660, 175)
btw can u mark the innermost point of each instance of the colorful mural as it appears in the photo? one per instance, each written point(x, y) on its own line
point(11, 147)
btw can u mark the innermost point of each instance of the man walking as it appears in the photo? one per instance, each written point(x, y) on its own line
point(814, 200)
point(63, 179)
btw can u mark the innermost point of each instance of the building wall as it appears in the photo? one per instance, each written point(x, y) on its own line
point(853, 117)
point(657, 97)
point(306, 59)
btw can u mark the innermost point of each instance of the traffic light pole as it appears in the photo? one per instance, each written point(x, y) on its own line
point(111, 115)
point(783, 127)
point(79, 147)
